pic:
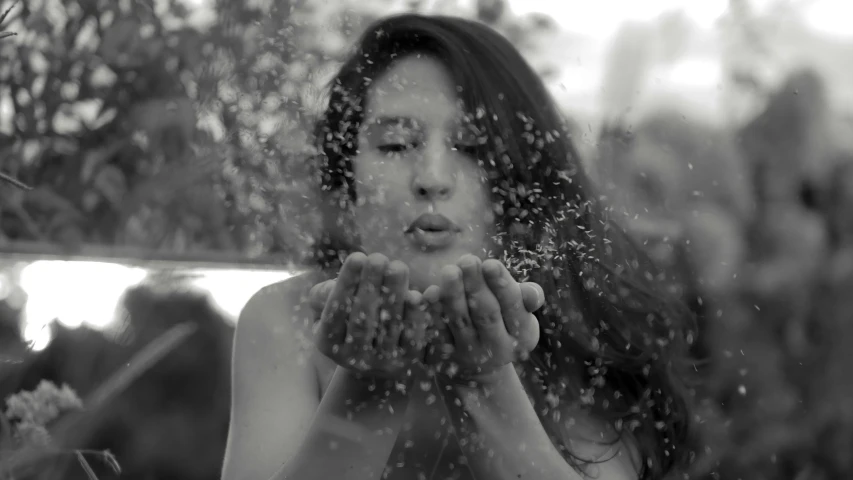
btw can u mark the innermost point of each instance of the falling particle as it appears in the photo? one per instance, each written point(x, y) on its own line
point(741, 390)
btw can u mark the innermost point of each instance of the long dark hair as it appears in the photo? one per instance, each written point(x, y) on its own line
point(611, 343)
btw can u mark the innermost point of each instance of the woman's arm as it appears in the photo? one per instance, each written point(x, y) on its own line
point(504, 439)
point(353, 431)
point(370, 321)
point(276, 415)
point(274, 386)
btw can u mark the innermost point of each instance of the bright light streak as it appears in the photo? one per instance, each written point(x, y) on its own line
point(832, 17)
point(601, 19)
point(77, 293)
point(696, 72)
point(231, 289)
point(73, 293)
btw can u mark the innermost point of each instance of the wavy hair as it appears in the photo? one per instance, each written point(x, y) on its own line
point(612, 342)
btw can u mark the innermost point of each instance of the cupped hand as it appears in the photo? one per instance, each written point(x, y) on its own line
point(370, 321)
point(483, 317)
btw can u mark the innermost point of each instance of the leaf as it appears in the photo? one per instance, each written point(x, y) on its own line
point(6, 13)
point(111, 183)
point(96, 157)
point(7, 441)
point(144, 360)
point(12, 180)
point(44, 198)
point(162, 114)
point(86, 467)
point(110, 460)
point(71, 425)
point(123, 45)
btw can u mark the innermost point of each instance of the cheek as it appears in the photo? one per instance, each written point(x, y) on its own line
point(478, 203)
point(380, 192)
point(379, 186)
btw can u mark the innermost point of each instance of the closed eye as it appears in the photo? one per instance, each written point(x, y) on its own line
point(393, 148)
point(470, 150)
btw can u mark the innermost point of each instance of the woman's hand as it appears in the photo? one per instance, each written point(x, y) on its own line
point(370, 322)
point(484, 319)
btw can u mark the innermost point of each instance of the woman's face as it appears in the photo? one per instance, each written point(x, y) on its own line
point(423, 197)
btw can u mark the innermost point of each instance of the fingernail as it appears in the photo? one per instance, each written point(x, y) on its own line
point(491, 269)
point(468, 261)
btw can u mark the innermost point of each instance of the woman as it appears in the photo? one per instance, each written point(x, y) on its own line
point(447, 161)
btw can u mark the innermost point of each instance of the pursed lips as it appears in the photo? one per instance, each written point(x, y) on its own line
point(432, 222)
point(432, 232)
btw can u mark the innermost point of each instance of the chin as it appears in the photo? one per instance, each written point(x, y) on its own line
point(425, 267)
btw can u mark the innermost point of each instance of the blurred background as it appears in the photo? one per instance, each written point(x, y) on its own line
point(167, 146)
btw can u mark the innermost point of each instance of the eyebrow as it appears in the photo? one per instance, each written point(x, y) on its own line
point(394, 120)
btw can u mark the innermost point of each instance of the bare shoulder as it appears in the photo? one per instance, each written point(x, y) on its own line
point(274, 336)
point(274, 381)
point(604, 453)
point(279, 309)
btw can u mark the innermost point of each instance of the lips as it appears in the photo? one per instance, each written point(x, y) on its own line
point(432, 223)
point(432, 232)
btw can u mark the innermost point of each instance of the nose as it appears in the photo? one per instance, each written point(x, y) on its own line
point(434, 176)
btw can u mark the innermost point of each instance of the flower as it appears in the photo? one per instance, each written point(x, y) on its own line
point(42, 405)
point(30, 434)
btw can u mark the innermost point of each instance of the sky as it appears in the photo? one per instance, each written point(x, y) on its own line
point(696, 79)
point(602, 17)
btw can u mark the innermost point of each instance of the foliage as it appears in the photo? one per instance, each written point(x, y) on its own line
point(137, 127)
point(107, 108)
point(25, 441)
point(43, 428)
point(764, 257)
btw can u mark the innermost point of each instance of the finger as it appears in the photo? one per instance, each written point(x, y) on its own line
point(331, 330)
point(528, 337)
point(431, 296)
point(454, 304)
point(319, 294)
point(394, 286)
point(483, 308)
point(412, 338)
point(532, 296)
point(364, 320)
point(508, 293)
point(439, 339)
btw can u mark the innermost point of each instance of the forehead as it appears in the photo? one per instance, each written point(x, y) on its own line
point(416, 88)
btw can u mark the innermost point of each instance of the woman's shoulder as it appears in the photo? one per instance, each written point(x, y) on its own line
point(282, 297)
point(280, 309)
point(271, 368)
point(601, 450)
point(288, 293)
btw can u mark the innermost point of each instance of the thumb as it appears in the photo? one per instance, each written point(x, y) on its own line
point(532, 295)
point(319, 294)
